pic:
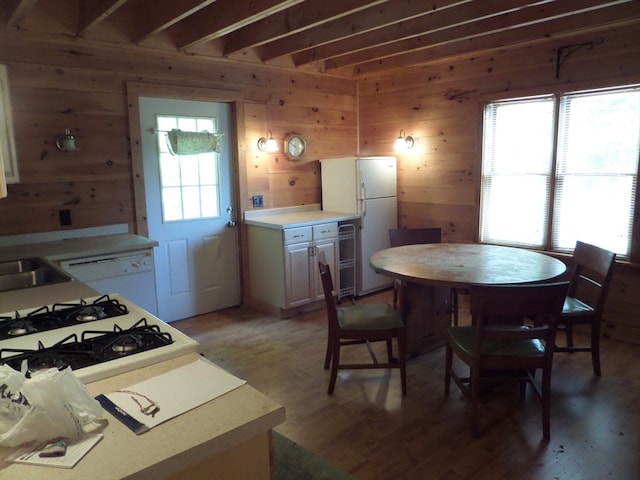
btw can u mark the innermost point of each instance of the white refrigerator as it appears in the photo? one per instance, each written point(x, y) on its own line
point(365, 186)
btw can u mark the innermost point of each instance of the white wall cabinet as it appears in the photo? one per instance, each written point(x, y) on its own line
point(283, 263)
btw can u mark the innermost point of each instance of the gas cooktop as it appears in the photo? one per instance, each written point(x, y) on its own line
point(59, 315)
point(97, 337)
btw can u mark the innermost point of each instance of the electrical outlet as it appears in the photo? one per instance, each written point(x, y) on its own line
point(65, 217)
point(257, 201)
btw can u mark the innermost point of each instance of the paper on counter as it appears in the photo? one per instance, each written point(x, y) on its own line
point(175, 392)
point(76, 449)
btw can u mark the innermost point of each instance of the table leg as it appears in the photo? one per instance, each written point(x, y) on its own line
point(426, 312)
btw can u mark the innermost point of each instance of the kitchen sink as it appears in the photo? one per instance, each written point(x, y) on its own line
point(19, 266)
point(29, 272)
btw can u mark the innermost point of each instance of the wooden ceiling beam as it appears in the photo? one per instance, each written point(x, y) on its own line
point(14, 11)
point(372, 18)
point(309, 14)
point(424, 25)
point(93, 12)
point(153, 16)
point(592, 21)
point(225, 16)
point(537, 14)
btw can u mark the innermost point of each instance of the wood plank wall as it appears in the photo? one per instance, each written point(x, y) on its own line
point(58, 81)
point(441, 105)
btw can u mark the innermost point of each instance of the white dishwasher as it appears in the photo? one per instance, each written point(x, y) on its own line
point(131, 274)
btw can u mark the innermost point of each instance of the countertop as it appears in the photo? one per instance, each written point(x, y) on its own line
point(292, 217)
point(63, 250)
point(44, 295)
point(169, 448)
point(188, 440)
point(78, 247)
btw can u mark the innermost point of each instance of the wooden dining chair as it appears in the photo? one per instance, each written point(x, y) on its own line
point(363, 323)
point(496, 348)
point(590, 279)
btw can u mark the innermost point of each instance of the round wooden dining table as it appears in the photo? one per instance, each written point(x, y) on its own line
point(460, 265)
point(428, 272)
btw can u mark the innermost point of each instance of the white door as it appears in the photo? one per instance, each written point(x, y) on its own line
point(190, 210)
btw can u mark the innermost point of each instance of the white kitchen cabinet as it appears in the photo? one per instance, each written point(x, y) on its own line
point(283, 263)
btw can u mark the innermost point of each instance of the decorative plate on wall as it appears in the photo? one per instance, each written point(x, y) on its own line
point(294, 146)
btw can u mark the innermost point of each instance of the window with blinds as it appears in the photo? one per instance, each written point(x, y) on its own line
point(556, 169)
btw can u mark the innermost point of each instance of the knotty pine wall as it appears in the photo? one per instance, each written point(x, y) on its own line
point(441, 105)
point(55, 83)
point(58, 81)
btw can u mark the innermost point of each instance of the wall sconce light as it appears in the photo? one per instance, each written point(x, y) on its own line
point(268, 143)
point(404, 142)
point(66, 142)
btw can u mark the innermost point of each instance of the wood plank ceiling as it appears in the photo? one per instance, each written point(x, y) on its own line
point(345, 37)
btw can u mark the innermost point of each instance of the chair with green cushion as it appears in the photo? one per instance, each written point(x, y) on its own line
point(590, 279)
point(363, 323)
point(498, 347)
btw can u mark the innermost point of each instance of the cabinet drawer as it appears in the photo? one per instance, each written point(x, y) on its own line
point(297, 235)
point(325, 230)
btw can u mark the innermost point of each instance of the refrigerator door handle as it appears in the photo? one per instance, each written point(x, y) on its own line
point(363, 196)
point(363, 209)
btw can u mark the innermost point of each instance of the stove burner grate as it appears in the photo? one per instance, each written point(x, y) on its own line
point(61, 315)
point(66, 353)
point(94, 347)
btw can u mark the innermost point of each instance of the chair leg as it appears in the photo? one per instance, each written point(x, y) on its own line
point(546, 403)
point(569, 334)
point(334, 366)
point(327, 358)
point(390, 351)
point(475, 402)
point(595, 347)
point(448, 363)
point(522, 390)
point(402, 352)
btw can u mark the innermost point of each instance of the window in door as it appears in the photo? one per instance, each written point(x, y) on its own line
point(561, 168)
point(189, 184)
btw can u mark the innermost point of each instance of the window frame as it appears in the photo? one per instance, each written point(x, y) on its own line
point(557, 97)
point(181, 188)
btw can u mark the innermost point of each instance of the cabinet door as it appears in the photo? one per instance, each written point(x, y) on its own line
point(298, 285)
point(328, 248)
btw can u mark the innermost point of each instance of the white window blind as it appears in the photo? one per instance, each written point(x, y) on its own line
point(516, 171)
point(598, 149)
point(593, 178)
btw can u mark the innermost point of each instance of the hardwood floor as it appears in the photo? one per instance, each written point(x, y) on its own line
point(369, 429)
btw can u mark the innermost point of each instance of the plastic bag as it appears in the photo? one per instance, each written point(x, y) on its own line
point(51, 404)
